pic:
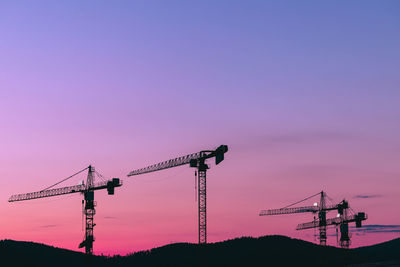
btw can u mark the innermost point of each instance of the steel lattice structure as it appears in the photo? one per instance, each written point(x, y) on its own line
point(48, 193)
point(169, 163)
point(321, 209)
point(289, 210)
point(196, 160)
point(89, 204)
point(342, 222)
point(57, 191)
point(202, 196)
point(322, 222)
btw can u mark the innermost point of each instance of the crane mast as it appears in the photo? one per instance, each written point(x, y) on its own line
point(322, 220)
point(202, 200)
point(89, 204)
point(344, 227)
point(198, 161)
point(89, 213)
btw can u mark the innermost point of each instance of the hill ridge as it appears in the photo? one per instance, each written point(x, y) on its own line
point(274, 250)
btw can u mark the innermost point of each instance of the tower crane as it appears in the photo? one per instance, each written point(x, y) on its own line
point(342, 222)
point(89, 204)
point(195, 160)
point(321, 209)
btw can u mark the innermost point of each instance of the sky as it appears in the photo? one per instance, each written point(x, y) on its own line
point(304, 93)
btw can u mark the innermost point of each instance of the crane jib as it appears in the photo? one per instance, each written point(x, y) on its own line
point(191, 159)
point(109, 185)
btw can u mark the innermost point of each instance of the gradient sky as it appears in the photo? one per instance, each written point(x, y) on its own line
point(305, 93)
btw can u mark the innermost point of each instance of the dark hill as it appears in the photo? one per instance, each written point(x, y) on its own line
point(19, 253)
point(384, 251)
point(245, 251)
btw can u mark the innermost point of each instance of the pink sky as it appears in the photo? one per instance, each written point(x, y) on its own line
point(305, 96)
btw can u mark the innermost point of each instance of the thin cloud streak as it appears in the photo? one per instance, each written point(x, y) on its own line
point(367, 196)
point(49, 226)
point(377, 228)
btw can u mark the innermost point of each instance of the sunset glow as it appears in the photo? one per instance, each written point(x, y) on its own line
point(304, 93)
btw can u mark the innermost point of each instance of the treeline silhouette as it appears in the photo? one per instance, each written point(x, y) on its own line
point(245, 251)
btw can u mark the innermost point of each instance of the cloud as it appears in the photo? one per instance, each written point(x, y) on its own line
point(109, 217)
point(377, 228)
point(49, 226)
point(367, 196)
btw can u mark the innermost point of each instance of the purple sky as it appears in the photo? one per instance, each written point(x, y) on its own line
point(306, 95)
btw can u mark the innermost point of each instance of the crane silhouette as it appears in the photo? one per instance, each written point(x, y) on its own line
point(345, 217)
point(89, 204)
point(195, 160)
point(321, 209)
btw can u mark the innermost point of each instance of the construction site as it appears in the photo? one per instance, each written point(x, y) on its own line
point(199, 133)
point(344, 216)
point(194, 160)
